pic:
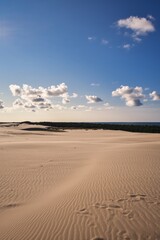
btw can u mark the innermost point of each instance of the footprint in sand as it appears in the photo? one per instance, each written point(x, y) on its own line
point(97, 238)
point(11, 205)
point(83, 211)
point(128, 214)
point(98, 205)
point(136, 197)
point(122, 199)
point(114, 206)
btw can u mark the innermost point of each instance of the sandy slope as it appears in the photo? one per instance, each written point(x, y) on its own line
point(79, 185)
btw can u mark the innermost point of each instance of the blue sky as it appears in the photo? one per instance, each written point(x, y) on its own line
point(85, 60)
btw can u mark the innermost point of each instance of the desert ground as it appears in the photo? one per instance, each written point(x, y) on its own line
point(79, 185)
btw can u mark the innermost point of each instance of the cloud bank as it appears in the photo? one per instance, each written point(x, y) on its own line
point(33, 98)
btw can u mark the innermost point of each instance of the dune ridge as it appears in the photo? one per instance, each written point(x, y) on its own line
point(79, 185)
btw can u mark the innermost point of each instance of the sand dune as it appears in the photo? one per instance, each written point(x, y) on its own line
point(79, 185)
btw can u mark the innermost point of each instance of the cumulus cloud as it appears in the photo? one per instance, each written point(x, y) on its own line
point(29, 105)
point(39, 98)
point(132, 96)
point(45, 105)
point(140, 26)
point(1, 104)
point(56, 90)
point(155, 96)
point(18, 103)
point(27, 91)
point(93, 99)
point(67, 97)
point(15, 89)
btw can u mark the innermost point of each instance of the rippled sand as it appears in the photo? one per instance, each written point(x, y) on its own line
point(79, 185)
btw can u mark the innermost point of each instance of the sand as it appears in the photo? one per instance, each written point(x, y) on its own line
point(79, 185)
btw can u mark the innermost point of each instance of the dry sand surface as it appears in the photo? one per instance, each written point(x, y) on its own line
point(79, 185)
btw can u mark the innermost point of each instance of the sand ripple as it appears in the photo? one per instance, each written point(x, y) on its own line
point(80, 185)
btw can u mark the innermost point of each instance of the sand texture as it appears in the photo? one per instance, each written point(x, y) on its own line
point(79, 185)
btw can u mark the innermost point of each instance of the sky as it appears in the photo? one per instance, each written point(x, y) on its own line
point(80, 60)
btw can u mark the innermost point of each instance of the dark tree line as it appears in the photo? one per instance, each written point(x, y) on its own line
point(107, 126)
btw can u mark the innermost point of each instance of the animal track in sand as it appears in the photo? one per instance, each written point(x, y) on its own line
point(97, 238)
point(83, 211)
point(136, 197)
point(11, 205)
point(118, 205)
point(114, 206)
point(123, 235)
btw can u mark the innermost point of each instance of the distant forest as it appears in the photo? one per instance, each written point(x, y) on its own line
point(52, 126)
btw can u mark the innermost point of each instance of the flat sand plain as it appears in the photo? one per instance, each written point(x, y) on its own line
point(79, 185)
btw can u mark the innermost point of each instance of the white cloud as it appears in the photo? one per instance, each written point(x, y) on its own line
point(127, 46)
point(59, 107)
point(139, 26)
point(146, 89)
point(150, 17)
point(93, 99)
point(122, 91)
point(132, 96)
point(27, 91)
point(18, 103)
point(137, 39)
point(89, 109)
point(38, 98)
point(1, 104)
point(74, 95)
point(45, 105)
point(73, 107)
point(56, 90)
point(29, 105)
point(15, 89)
point(79, 107)
point(107, 106)
point(91, 38)
point(66, 97)
point(155, 96)
point(95, 84)
point(104, 41)
point(65, 100)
